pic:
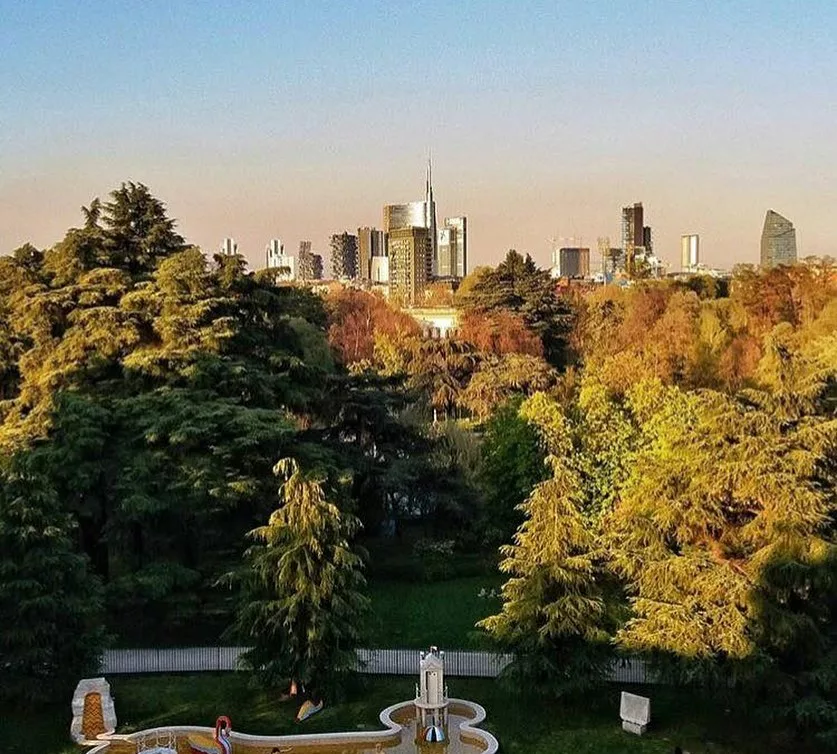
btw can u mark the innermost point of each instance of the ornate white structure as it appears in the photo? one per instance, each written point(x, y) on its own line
point(432, 696)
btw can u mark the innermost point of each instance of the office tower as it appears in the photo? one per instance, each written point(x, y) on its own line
point(446, 253)
point(416, 215)
point(229, 247)
point(343, 256)
point(452, 248)
point(632, 228)
point(409, 251)
point(778, 240)
point(430, 205)
point(305, 262)
point(689, 252)
point(371, 243)
point(647, 239)
point(573, 262)
point(316, 267)
point(633, 234)
point(409, 215)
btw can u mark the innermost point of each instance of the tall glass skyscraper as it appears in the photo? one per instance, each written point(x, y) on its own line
point(778, 240)
point(415, 215)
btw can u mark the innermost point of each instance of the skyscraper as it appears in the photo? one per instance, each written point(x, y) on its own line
point(275, 250)
point(452, 249)
point(316, 267)
point(229, 247)
point(637, 238)
point(409, 250)
point(283, 265)
point(689, 252)
point(778, 240)
point(647, 239)
point(573, 262)
point(343, 256)
point(371, 243)
point(415, 215)
point(305, 262)
point(633, 234)
point(430, 211)
point(408, 215)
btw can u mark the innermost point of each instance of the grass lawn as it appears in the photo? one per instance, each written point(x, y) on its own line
point(588, 725)
point(415, 615)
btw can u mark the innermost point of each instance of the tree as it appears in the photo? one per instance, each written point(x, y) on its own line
point(355, 319)
point(554, 615)
point(51, 633)
point(138, 232)
point(303, 603)
point(499, 379)
point(440, 370)
point(512, 464)
point(519, 286)
point(723, 535)
point(155, 402)
point(499, 332)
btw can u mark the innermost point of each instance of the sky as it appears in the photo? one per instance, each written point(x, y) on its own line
point(299, 119)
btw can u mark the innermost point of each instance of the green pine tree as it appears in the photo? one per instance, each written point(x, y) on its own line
point(303, 602)
point(554, 613)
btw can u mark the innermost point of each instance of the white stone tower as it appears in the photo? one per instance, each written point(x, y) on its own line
point(432, 696)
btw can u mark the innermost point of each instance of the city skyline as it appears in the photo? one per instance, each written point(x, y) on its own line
point(553, 146)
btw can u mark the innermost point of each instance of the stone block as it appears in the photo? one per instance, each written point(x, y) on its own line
point(634, 728)
point(635, 712)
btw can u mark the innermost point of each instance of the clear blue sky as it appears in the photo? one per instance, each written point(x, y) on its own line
point(298, 119)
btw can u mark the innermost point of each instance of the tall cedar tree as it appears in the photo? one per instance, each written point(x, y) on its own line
point(554, 616)
point(303, 603)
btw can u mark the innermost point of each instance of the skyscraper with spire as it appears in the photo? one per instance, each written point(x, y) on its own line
point(430, 214)
point(416, 215)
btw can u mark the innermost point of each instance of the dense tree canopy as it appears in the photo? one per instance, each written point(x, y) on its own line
point(51, 632)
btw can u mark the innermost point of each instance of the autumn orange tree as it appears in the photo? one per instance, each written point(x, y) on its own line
point(498, 332)
point(355, 318)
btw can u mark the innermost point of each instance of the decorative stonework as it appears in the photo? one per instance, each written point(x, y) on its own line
point(93, 712)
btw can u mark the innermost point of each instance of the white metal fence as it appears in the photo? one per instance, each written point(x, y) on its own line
point(369, 661)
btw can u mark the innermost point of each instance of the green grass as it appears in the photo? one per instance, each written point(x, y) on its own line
point(523, 725)
point(415, 615)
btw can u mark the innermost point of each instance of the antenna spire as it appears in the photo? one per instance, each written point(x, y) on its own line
point(429, 182)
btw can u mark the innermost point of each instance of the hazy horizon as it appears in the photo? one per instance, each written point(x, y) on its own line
point(544, 119)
